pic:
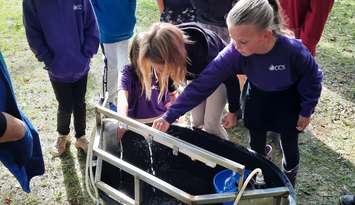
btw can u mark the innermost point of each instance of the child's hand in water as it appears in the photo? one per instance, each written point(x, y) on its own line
point(230, 120)
point(161, 124)
point(302, 122)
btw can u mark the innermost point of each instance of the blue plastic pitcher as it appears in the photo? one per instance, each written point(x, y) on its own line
point(227, 180)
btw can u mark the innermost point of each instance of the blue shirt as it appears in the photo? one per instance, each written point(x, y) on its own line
point(288, 62)
point(116, 19)
point(24, 157)
point(3, 95)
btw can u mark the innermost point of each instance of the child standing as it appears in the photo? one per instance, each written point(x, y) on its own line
point(131, 100)
point(182, 52)
point(284, 79)
point(64, 35)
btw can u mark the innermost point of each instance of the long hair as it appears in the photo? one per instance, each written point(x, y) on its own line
point(163, 44)
point(134, 55)
point(261, 13)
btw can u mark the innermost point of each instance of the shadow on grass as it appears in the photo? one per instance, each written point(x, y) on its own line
point(82, 165)
point(75, 193)
point(324, 174)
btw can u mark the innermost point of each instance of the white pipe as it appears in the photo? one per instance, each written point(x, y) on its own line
point(241, 191)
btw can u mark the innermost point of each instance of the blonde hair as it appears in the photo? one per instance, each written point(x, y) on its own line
point(261, 13)
point(164, 44)
point(134, 54)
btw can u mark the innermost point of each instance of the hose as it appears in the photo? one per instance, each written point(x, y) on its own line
point(89, 181)
point(241, 191)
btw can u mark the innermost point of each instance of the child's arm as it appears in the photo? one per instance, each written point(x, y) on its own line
point(34, 34)
point(13, 129)
point(91, 32)
point(233, 95)
point(122, 109)
point(122, 102)
point(309, 86)
point(217, 71)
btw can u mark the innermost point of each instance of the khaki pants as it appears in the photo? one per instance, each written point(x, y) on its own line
point(117, 56)
point(208, 114)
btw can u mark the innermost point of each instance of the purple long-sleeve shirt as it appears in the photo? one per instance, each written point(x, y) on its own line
point(288, 62)
point(63, 35)
point(138, 105)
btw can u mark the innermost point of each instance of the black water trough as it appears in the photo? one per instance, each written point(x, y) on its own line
point(191, 176)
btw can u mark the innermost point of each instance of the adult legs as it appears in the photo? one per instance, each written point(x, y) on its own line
point(117, 56)
point(215, 104)
point(197, 115)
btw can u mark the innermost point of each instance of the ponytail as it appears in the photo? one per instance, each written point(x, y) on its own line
point(261, 13)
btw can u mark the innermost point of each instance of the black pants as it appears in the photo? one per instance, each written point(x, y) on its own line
point(289, 146)
point(71, 99)
point(274, 111)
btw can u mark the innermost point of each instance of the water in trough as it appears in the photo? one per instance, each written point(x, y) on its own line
point(193, 177)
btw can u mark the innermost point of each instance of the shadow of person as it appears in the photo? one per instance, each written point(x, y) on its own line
point(72, 182)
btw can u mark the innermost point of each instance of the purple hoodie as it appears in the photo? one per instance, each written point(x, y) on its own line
point(63, 35)
point(288, 62)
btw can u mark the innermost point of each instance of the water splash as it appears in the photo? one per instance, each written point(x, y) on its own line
point(152, 171)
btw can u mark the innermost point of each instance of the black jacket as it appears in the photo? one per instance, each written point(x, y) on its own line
point(205, 47)
point(212, 11)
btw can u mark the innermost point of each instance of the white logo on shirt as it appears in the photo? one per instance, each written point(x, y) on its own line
point(277, 67)
point(155, 87)
point(77, 7)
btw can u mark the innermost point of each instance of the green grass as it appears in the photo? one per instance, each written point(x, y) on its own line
point(327, 149)
point(336, 52)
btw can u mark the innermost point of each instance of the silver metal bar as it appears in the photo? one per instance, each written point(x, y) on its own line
point(263, 193)
point(248, 194)
point(137, 191)
point(178, 145)
point(181, 195)
point(115, 194)
point(188, 149)
point(144, 176)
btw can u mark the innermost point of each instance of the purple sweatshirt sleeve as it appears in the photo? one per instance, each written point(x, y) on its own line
point(34, 34)
point(217, 71)
point(91, 32)
point(310, 83)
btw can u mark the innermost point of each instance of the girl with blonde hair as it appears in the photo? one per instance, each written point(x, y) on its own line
point(181, 53)
point(284, 79)
point(131, 99)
